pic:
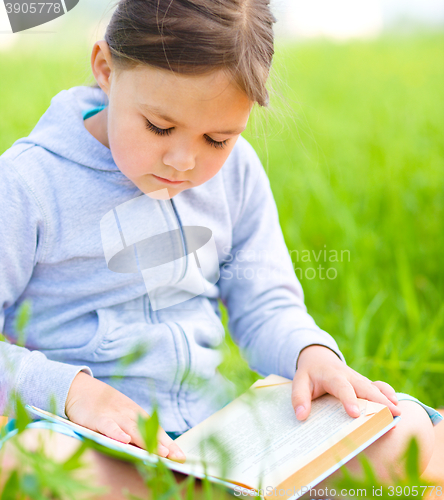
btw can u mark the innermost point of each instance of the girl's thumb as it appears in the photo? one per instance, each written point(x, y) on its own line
point(301, 396)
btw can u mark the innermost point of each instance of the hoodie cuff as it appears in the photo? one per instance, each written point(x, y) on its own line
point(43, 380)
point(303, 338)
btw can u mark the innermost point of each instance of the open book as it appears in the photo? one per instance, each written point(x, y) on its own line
point(256, 443)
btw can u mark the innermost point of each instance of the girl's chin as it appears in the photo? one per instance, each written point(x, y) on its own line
point(161, 194)
point(157, 192)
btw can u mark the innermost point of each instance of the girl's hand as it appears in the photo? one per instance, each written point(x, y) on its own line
point(320, 371)
point(102, 408)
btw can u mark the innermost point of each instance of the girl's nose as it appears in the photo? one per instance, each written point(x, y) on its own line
point(180, 159)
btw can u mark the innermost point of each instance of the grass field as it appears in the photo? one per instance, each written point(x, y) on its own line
point(353, 145)
point(361, 168)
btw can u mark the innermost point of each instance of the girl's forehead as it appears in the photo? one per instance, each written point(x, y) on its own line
point(146, 80)
point(178, 97)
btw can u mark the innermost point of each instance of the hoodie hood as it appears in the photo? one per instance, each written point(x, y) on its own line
point(61, 129)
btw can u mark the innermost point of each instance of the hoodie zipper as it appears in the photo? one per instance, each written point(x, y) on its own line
point(154, 319)
point(184, 245)
point(187, 356)
point(187, 345)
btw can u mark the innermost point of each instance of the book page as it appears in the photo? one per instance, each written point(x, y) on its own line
point(262, 436)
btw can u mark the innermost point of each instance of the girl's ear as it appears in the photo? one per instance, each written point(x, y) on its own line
point(101, 65)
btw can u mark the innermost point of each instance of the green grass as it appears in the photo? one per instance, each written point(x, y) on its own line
point(356, 163)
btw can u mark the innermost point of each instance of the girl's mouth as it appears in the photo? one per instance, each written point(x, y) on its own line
point(167, 181)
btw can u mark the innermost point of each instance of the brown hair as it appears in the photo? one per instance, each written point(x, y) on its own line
point(196, 37)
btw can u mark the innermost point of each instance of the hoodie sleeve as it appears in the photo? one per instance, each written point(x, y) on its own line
point(258, 285)
point(30, 374)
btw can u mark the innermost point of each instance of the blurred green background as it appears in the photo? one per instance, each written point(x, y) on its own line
point(353, 146)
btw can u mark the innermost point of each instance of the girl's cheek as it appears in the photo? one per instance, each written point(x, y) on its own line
point(134, 158)
point(214, 163)
point(207, 171)
point(120, 156)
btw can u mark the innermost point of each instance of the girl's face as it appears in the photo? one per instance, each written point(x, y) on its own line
point(167, 130)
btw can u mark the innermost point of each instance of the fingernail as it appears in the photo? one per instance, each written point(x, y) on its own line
point(299, 411)
point(126, 437)
point(355, 409)
point(163, 450)
point(178, 455)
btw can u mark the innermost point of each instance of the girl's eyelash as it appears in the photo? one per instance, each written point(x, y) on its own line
point(214, 143)
point(167, 131)
point(157, 130)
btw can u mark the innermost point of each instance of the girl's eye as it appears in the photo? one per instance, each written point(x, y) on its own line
point(167, 131)
point(157, 130)
point(216, 144)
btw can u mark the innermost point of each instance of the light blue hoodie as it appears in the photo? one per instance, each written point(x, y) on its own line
point(56, 186)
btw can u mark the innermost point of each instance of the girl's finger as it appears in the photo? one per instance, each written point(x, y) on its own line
point(166, 447)
point(129, 425)
point(371, 392)
point(387, 390)
point(110, 428)
point(301, 395)
point(341, 388)
point(174, 451)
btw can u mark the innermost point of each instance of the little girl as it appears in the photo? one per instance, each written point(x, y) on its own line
point(131, 208)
